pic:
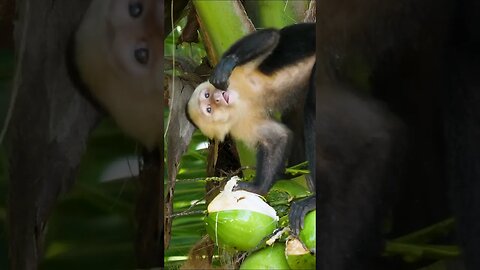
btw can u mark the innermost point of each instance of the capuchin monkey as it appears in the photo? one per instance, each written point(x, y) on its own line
point(260, 74)
point(118, 48)
point(353, 155)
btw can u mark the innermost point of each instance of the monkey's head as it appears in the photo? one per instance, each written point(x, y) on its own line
point(214, 111)
point(118, 52)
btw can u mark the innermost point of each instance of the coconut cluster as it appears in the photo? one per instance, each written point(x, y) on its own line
point(242, 221)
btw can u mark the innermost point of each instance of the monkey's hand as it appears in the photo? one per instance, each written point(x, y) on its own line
point(251, 48)
point(222, 72)
point(298, 210)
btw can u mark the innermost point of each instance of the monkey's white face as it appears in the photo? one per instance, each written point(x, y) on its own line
point(119, 46)
point(211, 100)
point(213, 110)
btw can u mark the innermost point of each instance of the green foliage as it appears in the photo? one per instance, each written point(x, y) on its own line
point(193, 51)
point(189, 201)
point(92, 226)
point(220, 35)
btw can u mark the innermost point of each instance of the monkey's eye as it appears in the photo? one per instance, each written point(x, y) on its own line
point(135, 9)
point(209, 109)
point(141, 55)
point(207, 95)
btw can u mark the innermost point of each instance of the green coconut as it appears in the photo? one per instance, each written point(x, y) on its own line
point(239, 219)
point(239, 229)
point(298, 255)
point(307, 234)
point(272, 257)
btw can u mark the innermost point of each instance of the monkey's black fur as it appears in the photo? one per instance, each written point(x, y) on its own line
point(275, 45)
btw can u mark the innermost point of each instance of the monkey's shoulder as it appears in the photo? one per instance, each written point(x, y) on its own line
point(296, 45)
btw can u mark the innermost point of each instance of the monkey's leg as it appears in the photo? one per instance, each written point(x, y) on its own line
point(273, 148)
point(253, 46)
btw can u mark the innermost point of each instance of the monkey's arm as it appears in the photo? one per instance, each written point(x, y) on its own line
point(267, 50)
point(251, 47)
point(273, 147)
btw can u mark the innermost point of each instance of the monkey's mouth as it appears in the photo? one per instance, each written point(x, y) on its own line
point(225, 96)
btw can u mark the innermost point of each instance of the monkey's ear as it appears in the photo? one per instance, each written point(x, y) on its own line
point(251, 49)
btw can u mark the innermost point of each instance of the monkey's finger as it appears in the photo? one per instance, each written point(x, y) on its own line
point(298, 210)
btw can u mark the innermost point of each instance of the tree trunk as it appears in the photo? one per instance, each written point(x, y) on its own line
point(50, 123)
point(149, 212)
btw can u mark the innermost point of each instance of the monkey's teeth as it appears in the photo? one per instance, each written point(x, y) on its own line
point(225, 96)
